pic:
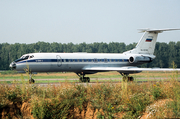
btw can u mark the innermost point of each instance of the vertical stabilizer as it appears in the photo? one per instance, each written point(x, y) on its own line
point(146, 44)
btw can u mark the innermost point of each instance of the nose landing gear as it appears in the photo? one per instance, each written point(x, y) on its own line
point(31, 80)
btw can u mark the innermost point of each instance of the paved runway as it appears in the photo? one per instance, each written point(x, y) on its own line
point(94, 79)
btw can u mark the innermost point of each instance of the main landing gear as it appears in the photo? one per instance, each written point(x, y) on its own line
point(31, 80)
point(127, 78)
point(82, 78)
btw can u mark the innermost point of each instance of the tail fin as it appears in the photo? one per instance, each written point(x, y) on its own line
point(146, 44)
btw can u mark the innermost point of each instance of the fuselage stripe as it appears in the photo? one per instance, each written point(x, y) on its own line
point(74, 60)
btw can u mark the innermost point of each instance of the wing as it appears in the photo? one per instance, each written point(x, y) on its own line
point(126, 69)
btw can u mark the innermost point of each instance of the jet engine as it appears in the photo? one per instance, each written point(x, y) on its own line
point(139, 59)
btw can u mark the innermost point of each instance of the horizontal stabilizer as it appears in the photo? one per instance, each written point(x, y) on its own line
point(155, 30)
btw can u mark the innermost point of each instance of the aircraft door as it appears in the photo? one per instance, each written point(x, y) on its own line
point(59, 60)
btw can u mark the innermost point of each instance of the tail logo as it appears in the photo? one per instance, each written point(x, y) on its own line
point(149, 39)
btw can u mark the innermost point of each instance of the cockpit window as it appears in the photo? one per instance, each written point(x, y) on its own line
point(24, 57)
point(31, 56)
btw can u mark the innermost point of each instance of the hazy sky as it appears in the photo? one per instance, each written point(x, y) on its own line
point(77, 21)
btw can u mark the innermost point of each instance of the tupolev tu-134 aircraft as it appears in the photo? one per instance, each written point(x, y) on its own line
point(89, 63)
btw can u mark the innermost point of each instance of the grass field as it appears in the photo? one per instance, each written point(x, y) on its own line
point(67, 75)
point(104, 100)
point(10, 76)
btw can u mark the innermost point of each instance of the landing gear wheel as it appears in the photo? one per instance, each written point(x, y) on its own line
point(80, 79)
point(31, 81)
point(85, 79)
point(127, 78)
point(130, 78)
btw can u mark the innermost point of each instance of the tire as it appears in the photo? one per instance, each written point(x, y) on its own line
point(31, 81)
point(131, 78)
point(80, 79)
point(88, 79)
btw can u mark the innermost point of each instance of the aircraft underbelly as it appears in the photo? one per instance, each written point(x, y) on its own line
point(77, 67)
point(41, 66)
point(66, 67)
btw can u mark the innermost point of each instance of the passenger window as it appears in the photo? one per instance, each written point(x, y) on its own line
point(95, 60)
point(105, 60)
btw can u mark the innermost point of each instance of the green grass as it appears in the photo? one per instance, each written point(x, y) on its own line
point(38, 77)
point(8, 72)
point(17, 80)
point(99, 77)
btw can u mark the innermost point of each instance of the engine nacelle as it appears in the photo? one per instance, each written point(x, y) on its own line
point(139, 59)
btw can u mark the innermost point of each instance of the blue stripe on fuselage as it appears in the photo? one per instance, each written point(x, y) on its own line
point(39, 60)
point(75, 60)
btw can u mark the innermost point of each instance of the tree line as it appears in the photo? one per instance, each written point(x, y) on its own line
point(165, 53)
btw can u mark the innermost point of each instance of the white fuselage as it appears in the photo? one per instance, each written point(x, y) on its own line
point(72, 62)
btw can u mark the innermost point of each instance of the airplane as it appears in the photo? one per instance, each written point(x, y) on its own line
point(89, 63)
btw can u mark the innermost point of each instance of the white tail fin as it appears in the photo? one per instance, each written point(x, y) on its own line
point(146, 44)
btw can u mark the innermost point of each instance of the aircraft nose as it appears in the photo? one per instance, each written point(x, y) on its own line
point(12, 65)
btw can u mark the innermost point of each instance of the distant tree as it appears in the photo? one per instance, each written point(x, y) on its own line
point(165, 53)
point(103, 48)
